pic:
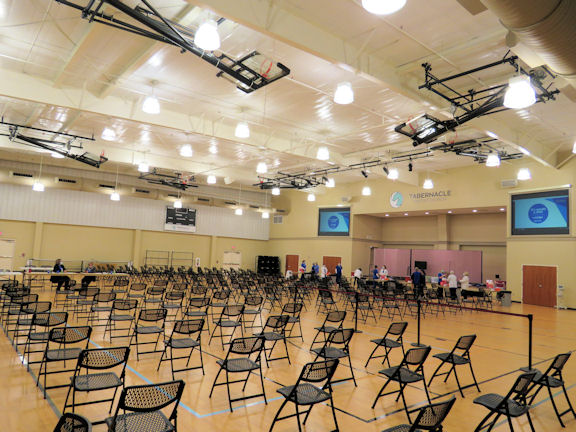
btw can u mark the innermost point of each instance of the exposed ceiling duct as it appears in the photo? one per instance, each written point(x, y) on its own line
point(546, 27)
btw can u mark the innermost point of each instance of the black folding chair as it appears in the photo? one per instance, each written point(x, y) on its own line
point(230, 317)
point(70, 422)
point(198, 308)
point(253, 309)
point(293, 310)
point(429, 418)
point(39, 332)
point(460, 355)
point(336, 318)
point(274, 331)
point(552, 379)
point(392, 339)
point(64, 344)
point(186, 335)
point(142, 407)
point(410, 371)
point(250, 351)
point(123, 311)
point(337, 346)
point(309, 391)
point(98, 370)
point(102, 305)
point(150, 323)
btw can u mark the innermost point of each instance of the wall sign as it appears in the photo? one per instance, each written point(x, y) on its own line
point(433, 196)
point(396, 199)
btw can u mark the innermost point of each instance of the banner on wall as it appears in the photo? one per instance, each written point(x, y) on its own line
point(180, 219)
point(397, 199)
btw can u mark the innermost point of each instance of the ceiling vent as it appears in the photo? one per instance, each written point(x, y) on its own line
point(19, 174)
point(105, 186)
point(509, 183)
point(278, 219)
point(63, 180)
point(203, 199)
point(280, 211)
point(227, 202)
point(254, 207)
point(142, 191)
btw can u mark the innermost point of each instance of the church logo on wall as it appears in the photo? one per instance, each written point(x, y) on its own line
point(396, 199)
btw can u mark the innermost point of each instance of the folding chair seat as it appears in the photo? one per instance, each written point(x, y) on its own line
point(460, 355)
point(186, 335)
point(70, 422)
point(274, 331)
point(314, 386)
point(98, 370)
point(244, 356)
point(142, 408)
point(552, 379)
point(513, 405)
point(336, 318)
point(230, 317)
point(64, 344)
point(409, 371)
point(293, 310)
point(123, 311)
point(429, 418)
point(150, 323)
point(392, 339)
point(337, 346)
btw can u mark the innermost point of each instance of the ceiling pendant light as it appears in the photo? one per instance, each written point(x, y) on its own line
point(524, 174)
point(493, 160)
point(265, 215)
point(115, 196)
point(143, 167)
point(207, 37)
point(520, 93)
point(330, 183)
point(261, 168)
point(213, 149)
point(344, 94)
point(38, 186)
point(108, 134)
point(276, 191)
point(211, 179)
point(178, 204)
point(238, 212)
point(428, 184)
point(56, 155)
point(242, 130)
point(383, 7)
point(393, 174)
point(323, 154)
point(366, 191)
point(574, 148)
point(311, 197)
point(151, 105)
point(186, 150)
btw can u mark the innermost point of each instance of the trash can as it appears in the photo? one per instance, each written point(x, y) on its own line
point(506, 298)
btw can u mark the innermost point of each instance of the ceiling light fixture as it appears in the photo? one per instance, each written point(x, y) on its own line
point(330, 183)
point(428, 184)
point(385, 169)
point(178, 204)
point(143, 167)
point(275, 191)
point(474, 211)
point(427, 213)
point(520, 93)
point(405, 214)
point(523, 150)
point(265, 215)
point(387, 215)
point(574, 148)
point(311, 197)
point(242, 130)
point(366, 191)
point(524, 174)
point(323, 154)
point(261, 168)
point(56, 155)
point(493, 160)
point(151, 105)
point(364, 173)
point(238, 212)
point(502, 209)
point(211, 179)
point(383, 7)
point(344, 94)
point(410, 167)
point(207, 37)
point(393, 174)
point(186, 150)
point(108, 134)
point(213, 149)
point(449, 211)
point(38, 186)
point(115, 196)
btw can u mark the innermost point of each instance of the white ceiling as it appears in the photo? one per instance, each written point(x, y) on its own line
point(80, 76)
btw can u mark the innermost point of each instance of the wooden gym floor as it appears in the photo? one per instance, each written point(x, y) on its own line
point(500, 350)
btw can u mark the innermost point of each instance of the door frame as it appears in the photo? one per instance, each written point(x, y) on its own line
point(522, 279)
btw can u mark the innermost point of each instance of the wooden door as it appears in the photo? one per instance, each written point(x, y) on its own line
point(292, 263)
point(539, 285)
point(7, 248)
point(331, 263)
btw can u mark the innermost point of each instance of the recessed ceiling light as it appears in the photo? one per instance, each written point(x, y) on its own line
point(211, 179)
point(386, 215)
point(186, 150)
point(474, 211)
point(524, 174)
point(502, 209)
point(323, 154)
point(449, 211)
point(427, 213)
point(383, 7)
point(213, 149)
point(242, 130)
point(261, 168)
point(108, 134)
point(405, 214)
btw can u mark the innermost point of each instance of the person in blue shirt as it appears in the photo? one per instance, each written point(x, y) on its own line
point(375, 273)
point(338, 273)
point(60, 280)
point(416, 280)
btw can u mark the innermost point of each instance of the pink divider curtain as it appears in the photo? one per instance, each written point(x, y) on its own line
point(397, 261)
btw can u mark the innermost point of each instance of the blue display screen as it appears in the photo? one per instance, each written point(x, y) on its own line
point(541, 213)
point(334, 222)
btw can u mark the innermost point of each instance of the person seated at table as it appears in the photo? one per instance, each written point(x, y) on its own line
point(60, 280)
point(87, 280)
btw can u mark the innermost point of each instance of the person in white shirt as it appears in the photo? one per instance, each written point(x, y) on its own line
point(289, 274)
point(324, 271)
point(384, 273)
point(464, 284)
point(357, 275)
point(452, 284)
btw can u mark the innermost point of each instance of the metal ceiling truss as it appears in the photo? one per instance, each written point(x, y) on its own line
point(176, 180)
point(64, 144)
point(479, 150)
point(151, 24)
point(472, 104)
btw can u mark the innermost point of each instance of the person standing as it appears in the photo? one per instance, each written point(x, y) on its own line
point(338, 273)
point(375, 273)
point(315, 270)
point(383, 272)
point(416, 280)
point(324, 271)
point(60, 280)
point(452, 284)
point(357, 276)
point(464, 284)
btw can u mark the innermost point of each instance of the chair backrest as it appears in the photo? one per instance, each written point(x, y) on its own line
point(180, 287)
point(25, 299)
point(319, 371)
point(416, 356)
point(246, 345)
point(174, 296)
point(70, 335)
point(199, 302)
point(520, 389)
point(138, 286)
point(125, 305)
point(152, 315)
point(292, 308)
point(49, 319)
point(36, 307)
point(155, 291)
point(340, 337)
point(335, 316)
point(189, 327)
point(221, 295)
point(73, 423)
point(397, 329)
point(431, 417)
point(103, 358)
point(105, 297)
point(89, 292)
point(253, 300)
point(232, 310)
point(121, 282)
point(558, 363)
point(465, 343)
point(276, 323)
point(149, 398)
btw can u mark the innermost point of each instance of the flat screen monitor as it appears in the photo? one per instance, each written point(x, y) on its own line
point(541, 213)
point(334, 221)
point(421, 264)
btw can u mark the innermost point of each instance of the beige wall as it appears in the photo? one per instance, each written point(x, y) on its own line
point(23, 233)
